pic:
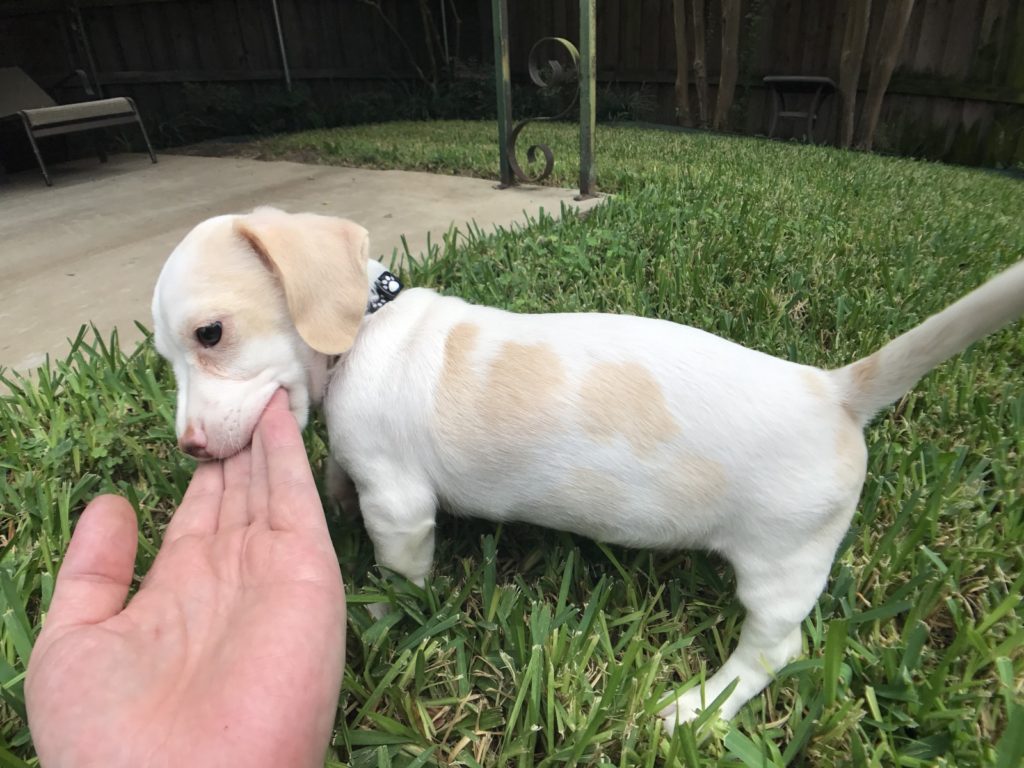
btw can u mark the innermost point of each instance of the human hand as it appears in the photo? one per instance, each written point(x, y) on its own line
point(232, 650)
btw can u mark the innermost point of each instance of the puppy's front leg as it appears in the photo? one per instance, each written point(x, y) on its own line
point(399, 515)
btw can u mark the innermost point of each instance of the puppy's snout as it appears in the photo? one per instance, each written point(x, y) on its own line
point(193, 442)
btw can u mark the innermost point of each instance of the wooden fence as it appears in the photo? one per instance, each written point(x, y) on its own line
point(957, 92)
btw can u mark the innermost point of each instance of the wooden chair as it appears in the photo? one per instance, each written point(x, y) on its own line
point(22, 98)
point(781, 86)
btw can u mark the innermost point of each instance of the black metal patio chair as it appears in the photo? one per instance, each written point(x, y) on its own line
point(21, 98)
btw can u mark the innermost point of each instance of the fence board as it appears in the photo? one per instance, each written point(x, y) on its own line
point(631, 36)
point(930, 39)
point(788, 38)
point(102, 35)
point(610, 22)
point(961, 40)
point(33, 41)
point(205, 38)
point(836, 34)
point(226, 24)
point(992, 19)
point(959, 75)
point(649, 34)
point(1015, 34)
point(811, 58)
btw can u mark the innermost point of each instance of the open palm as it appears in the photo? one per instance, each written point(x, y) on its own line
point(232, 650)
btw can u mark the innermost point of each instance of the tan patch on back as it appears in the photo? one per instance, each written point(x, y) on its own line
point(516, 396)
point(623, 400)
point(693, 481)
point(458, 346)
point(522, 383)
point(457, 392)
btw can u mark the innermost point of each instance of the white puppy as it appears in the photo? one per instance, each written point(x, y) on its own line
point(633, 431)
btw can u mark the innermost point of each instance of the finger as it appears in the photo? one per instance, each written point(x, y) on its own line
point(259, 490)
point(234, 506)
point(93, 582)
point(200, 507)
point(294, 503)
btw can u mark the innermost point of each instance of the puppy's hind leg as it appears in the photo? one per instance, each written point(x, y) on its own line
point(399, 516)
point(778, 593)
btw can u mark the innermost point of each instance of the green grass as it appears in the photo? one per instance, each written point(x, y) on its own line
point(536, 648)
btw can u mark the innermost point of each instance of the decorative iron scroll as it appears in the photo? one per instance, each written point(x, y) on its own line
point(583, 69)
point(554, 76)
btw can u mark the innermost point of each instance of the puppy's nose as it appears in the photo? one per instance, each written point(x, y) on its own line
point(193, 442)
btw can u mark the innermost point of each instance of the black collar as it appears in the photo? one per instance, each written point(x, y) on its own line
point(384, 289)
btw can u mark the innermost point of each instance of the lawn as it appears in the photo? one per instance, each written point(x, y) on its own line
point(535, 648)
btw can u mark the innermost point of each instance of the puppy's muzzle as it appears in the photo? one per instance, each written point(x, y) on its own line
point(193, 442)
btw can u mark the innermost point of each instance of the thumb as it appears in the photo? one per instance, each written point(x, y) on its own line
point(93, 582)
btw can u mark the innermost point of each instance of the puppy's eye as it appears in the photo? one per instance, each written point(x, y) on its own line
point(209, 335)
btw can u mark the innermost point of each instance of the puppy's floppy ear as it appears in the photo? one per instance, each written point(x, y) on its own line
point(321, 262)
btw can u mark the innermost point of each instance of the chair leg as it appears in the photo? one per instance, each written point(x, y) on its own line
point(35, 148)
point(776, 108)
point(812, 114)
point(97, 143)
point(145, 136)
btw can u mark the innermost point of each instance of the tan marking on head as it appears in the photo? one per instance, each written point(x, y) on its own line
point(227, 283)
point(622, 400)
point(321, 264)
point(692, 481)
point(851, 453)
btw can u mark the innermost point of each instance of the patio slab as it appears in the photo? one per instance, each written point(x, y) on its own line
point(89, 249)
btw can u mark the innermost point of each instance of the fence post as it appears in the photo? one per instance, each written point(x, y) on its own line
point(503, 86)
point(588, 95)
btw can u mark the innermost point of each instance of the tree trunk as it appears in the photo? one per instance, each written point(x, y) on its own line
point(682, 64)
point(700, 75)
point(890, 40)
point(730, 61)
point(850, 61)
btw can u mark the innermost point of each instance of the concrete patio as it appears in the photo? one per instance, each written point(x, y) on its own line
point(89, 249)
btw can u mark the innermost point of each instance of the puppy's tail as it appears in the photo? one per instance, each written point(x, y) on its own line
point(873, 382)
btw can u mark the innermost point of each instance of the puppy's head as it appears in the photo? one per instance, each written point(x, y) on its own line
point(249, 304)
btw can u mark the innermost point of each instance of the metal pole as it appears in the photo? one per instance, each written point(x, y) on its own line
point(588, 96)
point(503, 86)
point(444, 31)
point(79, 23)
point(280, 43)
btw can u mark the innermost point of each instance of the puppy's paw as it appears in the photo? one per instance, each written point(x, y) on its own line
point(685, 709)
